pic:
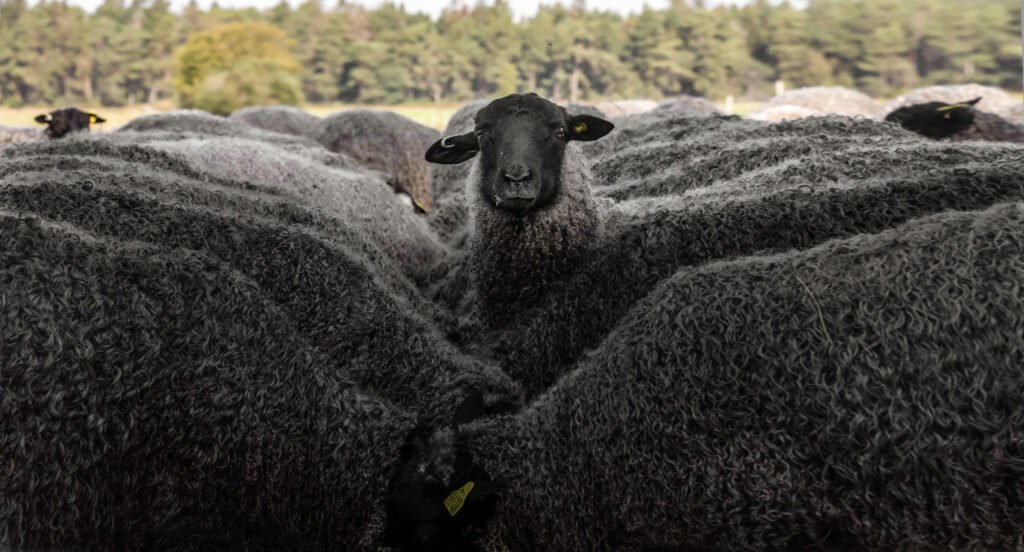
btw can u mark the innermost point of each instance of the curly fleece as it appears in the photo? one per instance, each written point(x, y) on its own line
point(341, 290)
point(384, 141)
point(14, 135)
point(834, 100)
point(861, 395)
point(794, 202)
point(284, 119)
point(156, 399)
point(817, 347)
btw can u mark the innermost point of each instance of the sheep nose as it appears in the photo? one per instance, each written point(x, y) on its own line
point(517, 173)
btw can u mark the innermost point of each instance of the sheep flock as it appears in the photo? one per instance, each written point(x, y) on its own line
point(544, 328)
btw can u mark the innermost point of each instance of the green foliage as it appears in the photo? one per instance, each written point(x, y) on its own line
point(129, 52)
point(224, 50)
point(248, 81)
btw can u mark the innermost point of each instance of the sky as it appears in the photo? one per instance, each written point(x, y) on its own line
point(520, 8)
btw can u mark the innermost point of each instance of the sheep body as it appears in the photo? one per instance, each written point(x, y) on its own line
point(182, 411)
point(344, 293)
point(834, 100)
point(795, 199)
point(201, 122)
point(864, 394)
point(14, 135)
point(689, 104)
point(993, 100)
point(620, 108)
point(687, 150)
point(989, 126)
point(384, 141)
point(283, 119)
point(780, 113)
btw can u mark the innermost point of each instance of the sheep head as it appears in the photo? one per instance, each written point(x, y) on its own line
point(440, 498)
point(935, 119)
point(63, 121)
point(521, 140)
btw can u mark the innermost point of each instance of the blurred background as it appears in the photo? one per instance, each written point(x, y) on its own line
point(423, 59)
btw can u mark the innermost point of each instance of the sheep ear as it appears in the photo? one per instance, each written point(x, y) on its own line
point(472, 407)
point(95, 119)
point(43, 119)
point(587, 128)
point(963, 105)
point(452, 150)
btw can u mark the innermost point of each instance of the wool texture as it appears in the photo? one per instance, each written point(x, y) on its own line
point(156, 399)
point(863, 394)
point(993, 100)
point(720, 334)
point(283, 119)
point(14, 135)
point(798, 198)
point(833, 100)
point(386, 142)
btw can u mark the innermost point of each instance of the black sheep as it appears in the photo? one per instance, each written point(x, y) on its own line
point(65, 121)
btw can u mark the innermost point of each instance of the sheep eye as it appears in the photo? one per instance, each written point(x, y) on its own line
point(560, 133)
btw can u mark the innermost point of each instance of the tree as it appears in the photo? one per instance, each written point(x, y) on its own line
point(248, 81)
point(218, 49)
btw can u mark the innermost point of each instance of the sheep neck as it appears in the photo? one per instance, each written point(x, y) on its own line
point(515, 260)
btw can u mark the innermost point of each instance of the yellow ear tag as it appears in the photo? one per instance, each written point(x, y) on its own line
point(92, 119)
point(953, 106)
point(580, 128)
point(457, 499)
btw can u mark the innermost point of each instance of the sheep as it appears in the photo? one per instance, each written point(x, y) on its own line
point(14, 135)
point(834, 100)
point(283, 119)
point(553, 282)
point(675, 155)
point(993, 100)
point(340, 187)
point(621, 108)
point(961, 121)
point(386, 142)
point(689, 104)
point(449, 214)
point(780, 113)
point(446, 509)
point(655, 126)
point(157, 399)
point(194, 121)
point(62, 122)
point(861, 395)
point(524, 197)
point(585, 109)
point(346, 295)
point(1014, 114)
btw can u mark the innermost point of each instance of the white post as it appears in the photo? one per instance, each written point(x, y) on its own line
point(780, 85)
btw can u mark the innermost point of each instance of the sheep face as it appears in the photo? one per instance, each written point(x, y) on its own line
point(935, 119)
point(521, 140)
point(63, 121)
point(438, 500)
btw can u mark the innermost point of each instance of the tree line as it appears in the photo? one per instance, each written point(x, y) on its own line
point(130, 51)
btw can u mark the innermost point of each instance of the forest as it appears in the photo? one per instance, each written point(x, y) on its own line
point(142, 51)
